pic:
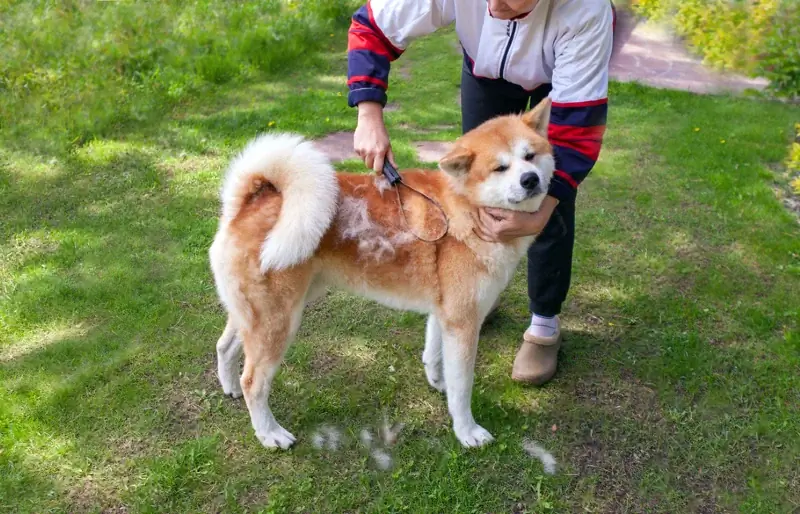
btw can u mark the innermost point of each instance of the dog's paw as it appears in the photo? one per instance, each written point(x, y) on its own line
point(433, 372)
point(277, 437)
point(229, 380)
point(473, 436)
point(234, 390)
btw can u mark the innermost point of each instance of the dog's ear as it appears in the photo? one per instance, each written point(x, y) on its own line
point(539, 117)
point(457, 161)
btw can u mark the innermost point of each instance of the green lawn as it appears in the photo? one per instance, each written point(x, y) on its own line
point(679, 385)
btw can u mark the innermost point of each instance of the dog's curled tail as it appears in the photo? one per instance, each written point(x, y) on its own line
point(305, 179)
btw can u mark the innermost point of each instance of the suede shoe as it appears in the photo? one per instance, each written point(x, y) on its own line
point(537, 358)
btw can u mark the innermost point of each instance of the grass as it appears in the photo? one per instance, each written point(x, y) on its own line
point(678, 386)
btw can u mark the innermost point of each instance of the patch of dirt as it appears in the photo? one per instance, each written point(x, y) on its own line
point(184, 410)
point(431, 151)
point(323, 362)
point(613, 453)
point(190, 397)
point(128, 447)
point(649, 53)
point(428, 130)
point(88, 496)
point(404, 70)
point(337, 146)
point(789, 200)
point(608, 448)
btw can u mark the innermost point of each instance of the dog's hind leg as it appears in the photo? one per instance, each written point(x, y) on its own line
point(432, 355)
point(274, 325)
point(229, 351)
point(460, 345)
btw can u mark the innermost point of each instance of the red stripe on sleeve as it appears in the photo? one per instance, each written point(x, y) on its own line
point(361, 37)
point(366, 78)
point(387, 44)
point(586, 140)
point(564, 175)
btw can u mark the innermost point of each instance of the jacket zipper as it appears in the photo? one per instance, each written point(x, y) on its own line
point(513, 25)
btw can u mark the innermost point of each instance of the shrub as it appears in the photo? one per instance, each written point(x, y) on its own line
point(780, 58)
point(793, 162)
point(757, 37)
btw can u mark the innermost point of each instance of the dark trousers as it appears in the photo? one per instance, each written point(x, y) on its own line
point(550, 256)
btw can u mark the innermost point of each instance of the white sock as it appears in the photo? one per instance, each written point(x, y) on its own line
point(542, 326)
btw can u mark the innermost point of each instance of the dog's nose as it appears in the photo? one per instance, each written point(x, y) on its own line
point(529, 180)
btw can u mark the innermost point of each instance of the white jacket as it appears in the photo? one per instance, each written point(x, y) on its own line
point(565, 43)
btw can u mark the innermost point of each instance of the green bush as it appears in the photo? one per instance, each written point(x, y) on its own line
point(757, 37)
point(780, 58)
point(75, 69)
point(793, 162)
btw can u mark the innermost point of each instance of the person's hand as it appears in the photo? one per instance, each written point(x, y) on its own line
point(371, 140)
point(501, 225)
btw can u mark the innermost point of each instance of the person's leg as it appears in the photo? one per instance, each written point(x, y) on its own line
point(484, 99)
point(550, 263)
point(550, 259)
point(549, 275)
point(539, 94)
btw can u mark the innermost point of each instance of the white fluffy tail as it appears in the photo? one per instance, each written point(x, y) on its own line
point(305, 179)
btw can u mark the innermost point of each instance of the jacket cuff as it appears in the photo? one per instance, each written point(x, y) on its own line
point(366, 94)
point(561, 190)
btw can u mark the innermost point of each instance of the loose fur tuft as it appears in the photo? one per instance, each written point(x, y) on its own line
point(307, 183)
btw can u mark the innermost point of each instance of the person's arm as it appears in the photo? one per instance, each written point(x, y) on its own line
point(380, 31)
point(580, 98)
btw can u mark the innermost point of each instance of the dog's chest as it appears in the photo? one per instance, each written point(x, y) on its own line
point(501, 263)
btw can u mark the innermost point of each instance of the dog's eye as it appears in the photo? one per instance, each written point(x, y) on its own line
point(501, 168)
point(529, 156)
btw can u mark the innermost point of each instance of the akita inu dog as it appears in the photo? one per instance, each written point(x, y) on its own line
point(291, 227)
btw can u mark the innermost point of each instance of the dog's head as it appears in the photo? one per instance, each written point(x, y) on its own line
point(506, 162)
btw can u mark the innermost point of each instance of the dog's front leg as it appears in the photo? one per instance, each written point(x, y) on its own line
point(432, 355)
point(460, 344)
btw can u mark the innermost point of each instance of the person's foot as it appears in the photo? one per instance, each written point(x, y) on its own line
point(537, 358)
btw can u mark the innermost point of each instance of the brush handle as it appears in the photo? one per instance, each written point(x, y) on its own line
point(390, 172)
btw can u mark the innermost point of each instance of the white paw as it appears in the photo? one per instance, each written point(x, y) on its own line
point(433, 372)
point(234, 391)
point(277, 437)
point(231, 388)
point(473, 436)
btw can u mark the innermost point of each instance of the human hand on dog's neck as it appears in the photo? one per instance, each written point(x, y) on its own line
point(502, 226)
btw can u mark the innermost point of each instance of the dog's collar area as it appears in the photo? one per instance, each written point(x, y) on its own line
point(395, 180)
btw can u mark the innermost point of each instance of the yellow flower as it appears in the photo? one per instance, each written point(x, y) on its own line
point(722, 141)
point(339, 94)
point(327, 119)
point(697, 129)
point(271, 123)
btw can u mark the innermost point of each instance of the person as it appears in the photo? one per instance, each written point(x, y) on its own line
point(515, 54)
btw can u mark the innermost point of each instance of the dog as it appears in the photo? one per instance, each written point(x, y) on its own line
point(291, 227)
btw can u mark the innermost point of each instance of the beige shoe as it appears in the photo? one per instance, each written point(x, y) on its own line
point(537, 358)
